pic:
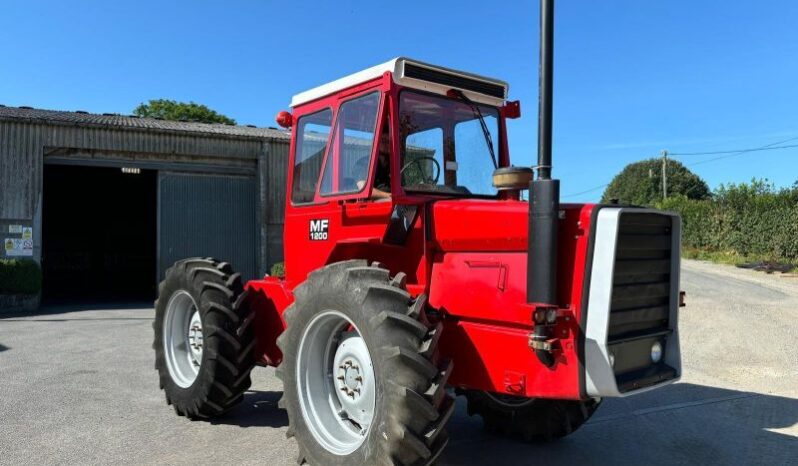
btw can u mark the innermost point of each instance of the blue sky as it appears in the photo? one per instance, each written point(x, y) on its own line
point(631, 77)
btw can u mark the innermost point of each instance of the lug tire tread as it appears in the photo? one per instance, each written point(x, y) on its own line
point(416, 404)
point(228, 356)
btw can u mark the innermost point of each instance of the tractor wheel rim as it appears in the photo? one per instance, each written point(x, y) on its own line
point(183, 339)
point(336, 383)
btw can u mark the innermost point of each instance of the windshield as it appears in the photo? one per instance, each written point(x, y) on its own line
point(444, 147)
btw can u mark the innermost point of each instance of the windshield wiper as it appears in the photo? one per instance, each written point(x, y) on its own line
point(478, 113)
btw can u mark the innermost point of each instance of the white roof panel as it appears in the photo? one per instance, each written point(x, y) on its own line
point(398, 69)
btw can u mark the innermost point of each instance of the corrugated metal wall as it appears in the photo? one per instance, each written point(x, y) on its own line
point(204, 215)
point(20, 169)
point(23, 146)
point(274, 171)
point(22, 149)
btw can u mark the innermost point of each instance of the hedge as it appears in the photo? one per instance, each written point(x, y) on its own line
point(748, 219)
point(20, 276)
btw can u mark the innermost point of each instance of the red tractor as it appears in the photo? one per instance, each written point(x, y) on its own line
point(409, 271)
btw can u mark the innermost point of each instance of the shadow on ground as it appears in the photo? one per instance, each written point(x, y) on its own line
point(258, 409)
point(4, 348)
point(76, 319)
point(678, 424)
point(51, 312)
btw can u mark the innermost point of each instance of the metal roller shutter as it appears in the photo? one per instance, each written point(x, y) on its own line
point(207, 215)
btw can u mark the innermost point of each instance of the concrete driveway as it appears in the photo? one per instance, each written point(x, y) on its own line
point(77, 386)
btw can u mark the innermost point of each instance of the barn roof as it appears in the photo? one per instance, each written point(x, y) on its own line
point(79, 118)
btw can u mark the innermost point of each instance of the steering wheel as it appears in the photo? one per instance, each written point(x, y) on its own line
point(427, 179)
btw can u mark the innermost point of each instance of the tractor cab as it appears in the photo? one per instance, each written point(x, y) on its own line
point(404, 127)
point(370, 149)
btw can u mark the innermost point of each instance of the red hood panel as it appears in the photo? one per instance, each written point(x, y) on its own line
point(485, 225)
point(480, 225)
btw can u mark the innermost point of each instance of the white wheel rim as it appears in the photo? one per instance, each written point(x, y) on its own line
point(336, 382)
point(183, 339)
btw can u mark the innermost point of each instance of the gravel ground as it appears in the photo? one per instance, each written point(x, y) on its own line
point(77, 387)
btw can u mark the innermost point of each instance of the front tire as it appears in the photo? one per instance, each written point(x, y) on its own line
point(362, 385)
point(532, 419)
point(204, 339)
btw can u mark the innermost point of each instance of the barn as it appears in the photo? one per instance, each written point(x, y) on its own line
point(105, 203)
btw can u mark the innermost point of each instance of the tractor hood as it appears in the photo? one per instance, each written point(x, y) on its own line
point(480, 225)
point(487, 225)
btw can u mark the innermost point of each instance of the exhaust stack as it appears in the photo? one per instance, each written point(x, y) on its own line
point(544, 192)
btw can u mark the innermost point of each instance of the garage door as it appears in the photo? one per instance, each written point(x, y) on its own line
point(207, 215)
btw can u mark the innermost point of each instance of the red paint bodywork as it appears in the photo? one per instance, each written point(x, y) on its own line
point(468, 255)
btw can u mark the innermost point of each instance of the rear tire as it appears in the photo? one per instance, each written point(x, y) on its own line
point(204, 339)
point(394, 348)
point(531, 419)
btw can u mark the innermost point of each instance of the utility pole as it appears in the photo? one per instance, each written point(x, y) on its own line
point(664, 174)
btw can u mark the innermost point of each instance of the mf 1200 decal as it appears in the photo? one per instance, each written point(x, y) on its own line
point(318, 229)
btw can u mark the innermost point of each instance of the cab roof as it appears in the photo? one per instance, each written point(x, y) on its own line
point(418, 75)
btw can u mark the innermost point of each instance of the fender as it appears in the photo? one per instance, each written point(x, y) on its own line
point(268, 298)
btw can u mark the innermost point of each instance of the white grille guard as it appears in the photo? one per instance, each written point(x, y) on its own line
point(600, 381)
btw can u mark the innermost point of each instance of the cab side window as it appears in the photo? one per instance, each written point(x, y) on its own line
point(349, 155)
point(313, 132)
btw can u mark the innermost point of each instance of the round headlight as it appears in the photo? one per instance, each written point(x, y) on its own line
point(551, 315)
point(612, 360)
point(656, 352)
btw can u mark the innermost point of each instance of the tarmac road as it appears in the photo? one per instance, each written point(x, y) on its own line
point(77, 387)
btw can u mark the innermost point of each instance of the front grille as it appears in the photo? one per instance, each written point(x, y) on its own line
point(641, 298)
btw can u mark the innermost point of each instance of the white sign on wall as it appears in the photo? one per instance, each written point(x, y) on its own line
point(18, 247)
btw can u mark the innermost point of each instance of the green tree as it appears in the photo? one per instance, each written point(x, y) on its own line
point(640, 183)
point(181, 111)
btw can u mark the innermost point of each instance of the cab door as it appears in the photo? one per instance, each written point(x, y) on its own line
point(331, 215)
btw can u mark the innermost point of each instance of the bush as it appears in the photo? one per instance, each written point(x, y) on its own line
point(748, 219)
point(640, 183)
point(20, 276)
point(278, 270)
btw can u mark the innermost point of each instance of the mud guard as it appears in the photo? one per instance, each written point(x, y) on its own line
point(269, 298)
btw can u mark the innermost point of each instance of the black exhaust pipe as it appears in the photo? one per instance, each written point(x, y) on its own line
point(544, 193)
point(545, 86)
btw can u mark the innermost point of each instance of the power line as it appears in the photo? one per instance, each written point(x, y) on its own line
point(587, 191)
point(736, 151)
point(755, 149)
point(729, 153)
point(746, 151)
point(680, 154)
